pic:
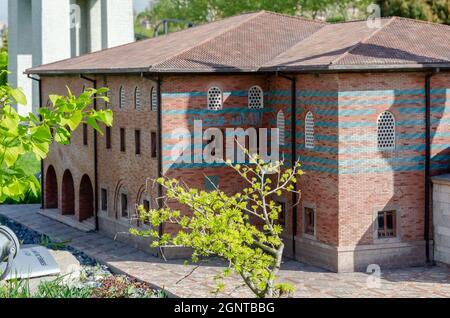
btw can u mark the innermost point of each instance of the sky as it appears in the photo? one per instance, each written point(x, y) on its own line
point(139, 5)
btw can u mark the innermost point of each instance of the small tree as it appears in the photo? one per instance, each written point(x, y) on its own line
point(242, 229)
point(21, 136)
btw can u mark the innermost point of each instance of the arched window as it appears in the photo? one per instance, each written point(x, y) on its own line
point(108, 95)
point(281, 123)
point(122, 97)
point(154, 99)
point(214, 98)
point(255, 97)
point(309, 130)
point(137, 98)
point(386, 131)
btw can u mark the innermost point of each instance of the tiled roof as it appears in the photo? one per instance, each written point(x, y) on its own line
point(268, 42)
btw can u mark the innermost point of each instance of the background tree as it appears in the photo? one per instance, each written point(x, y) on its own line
point(201, 11)
point(437, 11)
point(24, 136)
point(243, 229)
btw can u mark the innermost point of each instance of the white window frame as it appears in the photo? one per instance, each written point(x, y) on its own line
point(153, 99)
point(379, 133)
point(215, 102)
point(122, 99)
point(137, 98)
point(252, 102)
point(281, 130)
point(310, 139)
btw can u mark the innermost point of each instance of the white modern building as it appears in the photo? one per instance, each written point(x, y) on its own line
point(44, 31)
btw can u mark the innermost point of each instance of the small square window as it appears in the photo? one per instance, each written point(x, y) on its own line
point(387, 224)
point(124, 205)
point(309, 222)
point(104, 198)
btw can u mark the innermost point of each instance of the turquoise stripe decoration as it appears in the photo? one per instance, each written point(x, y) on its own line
point(238, 110)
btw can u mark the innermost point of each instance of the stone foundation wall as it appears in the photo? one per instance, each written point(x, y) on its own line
point(441, 218)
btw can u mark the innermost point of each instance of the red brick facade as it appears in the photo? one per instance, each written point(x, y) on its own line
point(347, 180)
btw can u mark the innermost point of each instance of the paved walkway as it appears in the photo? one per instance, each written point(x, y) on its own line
point(310, 281)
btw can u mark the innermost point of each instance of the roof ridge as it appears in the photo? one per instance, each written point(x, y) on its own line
point(209, 39)
point(142, 41)
point(422, 21)
point(299, 42)
point(363, 41)
point(296, 17)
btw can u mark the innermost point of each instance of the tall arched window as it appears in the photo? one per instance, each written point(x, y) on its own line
point(255, 97)
point(137, 98)
point(122, 97)
point(386, 131)
point(281, 123)
point(309, 130)
point(214, 98)
point(108, 95)
point(154, 99)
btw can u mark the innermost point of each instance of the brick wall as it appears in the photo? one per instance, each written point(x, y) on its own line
point(347, 179)
point(118, 172)
point(372, 180)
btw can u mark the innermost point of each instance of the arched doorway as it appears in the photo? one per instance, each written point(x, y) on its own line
point(51, 189)
point(86, 199)
point(68, 194)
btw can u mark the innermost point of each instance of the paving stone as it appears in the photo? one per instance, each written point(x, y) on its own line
point(310, 281)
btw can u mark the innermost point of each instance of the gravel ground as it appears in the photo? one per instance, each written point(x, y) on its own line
point(27, 236)
point(93, 274)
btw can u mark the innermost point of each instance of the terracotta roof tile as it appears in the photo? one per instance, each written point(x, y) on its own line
point(269, 41)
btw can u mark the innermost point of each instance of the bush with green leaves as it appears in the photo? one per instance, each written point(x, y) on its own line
point(31, 135)
point(243, 228)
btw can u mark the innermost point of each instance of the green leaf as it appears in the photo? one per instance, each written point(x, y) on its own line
point(41, 134)
point(93, 123)
point(74, 121)
point(18, 95)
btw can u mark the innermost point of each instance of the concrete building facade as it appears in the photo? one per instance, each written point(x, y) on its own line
point(369, 120)
point(45, 31)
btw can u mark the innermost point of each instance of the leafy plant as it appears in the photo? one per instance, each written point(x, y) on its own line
point(22, 136)
point(124, 287)
point(220, 225)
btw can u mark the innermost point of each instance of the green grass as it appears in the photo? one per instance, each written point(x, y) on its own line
point(47, 289)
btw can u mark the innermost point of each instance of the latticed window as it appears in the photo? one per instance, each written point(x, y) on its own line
point(255, 97)
point(214, 98)
point(154, 99)
point(386, 131)
point(309, 130)
point(137, 98)
point(281, 123)
point(122, 97)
